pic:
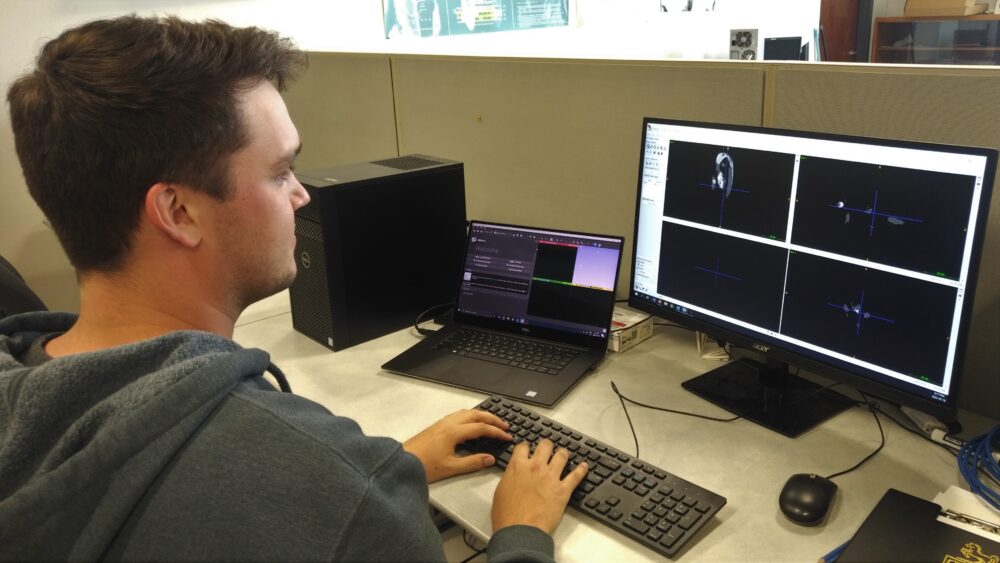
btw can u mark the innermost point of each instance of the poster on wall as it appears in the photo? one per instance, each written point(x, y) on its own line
point(675, 6)
point(428, 18)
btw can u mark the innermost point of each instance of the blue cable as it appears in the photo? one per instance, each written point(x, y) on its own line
point(976, 455)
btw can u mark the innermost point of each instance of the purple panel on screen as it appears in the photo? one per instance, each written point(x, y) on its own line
point(595, 267)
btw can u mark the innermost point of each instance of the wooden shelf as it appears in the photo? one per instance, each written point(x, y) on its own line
point(959, 40)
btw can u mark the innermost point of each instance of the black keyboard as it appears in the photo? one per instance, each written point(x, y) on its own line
point(642, 501)
point(508, 350)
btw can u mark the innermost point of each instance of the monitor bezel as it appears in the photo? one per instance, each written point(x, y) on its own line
point(779, 350)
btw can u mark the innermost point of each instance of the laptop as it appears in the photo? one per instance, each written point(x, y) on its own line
point(532, 314)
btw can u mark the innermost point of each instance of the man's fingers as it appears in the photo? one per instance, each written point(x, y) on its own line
point(544, 449)
point(575, 477)
point(476, 415)
point(481, 430)
point(520, 451)
point(470, 463)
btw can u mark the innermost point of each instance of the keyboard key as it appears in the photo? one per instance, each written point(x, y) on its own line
point(670, 538)
point(689, 520)
point(636, 525)
point(614, 514)
point(610, 464)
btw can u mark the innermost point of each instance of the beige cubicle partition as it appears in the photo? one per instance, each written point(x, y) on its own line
point(556, 142)
point(343, 109)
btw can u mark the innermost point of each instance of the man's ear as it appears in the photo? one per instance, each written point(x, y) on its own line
point(171, 209)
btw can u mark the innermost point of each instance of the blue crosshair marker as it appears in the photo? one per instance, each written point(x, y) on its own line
point(717, 273)
point(873, 211)
point(860, 311)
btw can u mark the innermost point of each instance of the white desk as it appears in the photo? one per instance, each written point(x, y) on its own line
point(742, 461)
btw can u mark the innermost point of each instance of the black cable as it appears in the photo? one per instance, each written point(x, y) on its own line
point(664, 409)
point(916, 432)
point(420, 318)
point(468, 543)
point(873, 407)
point(635, 437)
point(473, 556)
point(716, 419)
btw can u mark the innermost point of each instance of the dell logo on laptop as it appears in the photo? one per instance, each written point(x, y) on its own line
point(761, 347)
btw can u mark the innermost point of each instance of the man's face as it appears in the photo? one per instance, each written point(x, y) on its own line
point(255, 226)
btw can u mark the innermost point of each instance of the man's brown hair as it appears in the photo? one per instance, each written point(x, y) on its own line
point(115, 106)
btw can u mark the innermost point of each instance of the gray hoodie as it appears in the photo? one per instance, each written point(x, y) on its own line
point(176, 448)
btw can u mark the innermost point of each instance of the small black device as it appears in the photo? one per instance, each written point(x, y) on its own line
point(806, 498)
point(532, 316)
point(378, 243)
point(854, 258)
point(782, 48)
point(660, 511)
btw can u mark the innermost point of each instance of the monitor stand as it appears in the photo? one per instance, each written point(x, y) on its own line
point(768, 395)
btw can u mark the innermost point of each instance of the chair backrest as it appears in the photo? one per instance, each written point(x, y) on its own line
point(15, 295)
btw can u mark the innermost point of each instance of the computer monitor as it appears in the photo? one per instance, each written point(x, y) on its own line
point(853, 258)
point(782, 48)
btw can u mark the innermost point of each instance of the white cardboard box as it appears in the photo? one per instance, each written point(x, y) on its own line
point(628, 328)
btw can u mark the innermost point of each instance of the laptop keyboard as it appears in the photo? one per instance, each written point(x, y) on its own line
point(508, 350)
point(649, 505)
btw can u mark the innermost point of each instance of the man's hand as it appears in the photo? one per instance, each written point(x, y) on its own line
point(435, 446)
point(531, 492)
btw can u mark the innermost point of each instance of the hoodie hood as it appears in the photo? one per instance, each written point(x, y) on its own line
point(83, 437)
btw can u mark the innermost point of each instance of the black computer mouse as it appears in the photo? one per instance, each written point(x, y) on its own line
point(806, 498)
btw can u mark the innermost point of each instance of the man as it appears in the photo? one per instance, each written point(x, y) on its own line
point(161, 153)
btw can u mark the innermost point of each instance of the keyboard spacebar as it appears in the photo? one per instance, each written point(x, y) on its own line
point(488, 358)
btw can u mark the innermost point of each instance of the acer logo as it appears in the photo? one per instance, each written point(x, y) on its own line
point(761, 347)
point(525, 330)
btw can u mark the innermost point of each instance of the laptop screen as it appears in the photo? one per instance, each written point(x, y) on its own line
point(540, 282)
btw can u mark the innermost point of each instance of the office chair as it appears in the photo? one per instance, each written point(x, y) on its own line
point(15, 295)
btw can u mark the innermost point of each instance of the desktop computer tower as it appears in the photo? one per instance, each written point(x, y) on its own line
point(379, 243)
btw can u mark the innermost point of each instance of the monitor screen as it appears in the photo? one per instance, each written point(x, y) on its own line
point(544, 280)
point(854, 258)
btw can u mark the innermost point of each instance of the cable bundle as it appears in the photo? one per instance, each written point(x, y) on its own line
point(976, 455)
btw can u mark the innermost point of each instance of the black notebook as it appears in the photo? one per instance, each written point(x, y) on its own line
point(902, 528)
point(532, 314)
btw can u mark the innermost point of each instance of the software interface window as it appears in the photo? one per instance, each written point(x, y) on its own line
point(540, 278)
point(855, 251)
